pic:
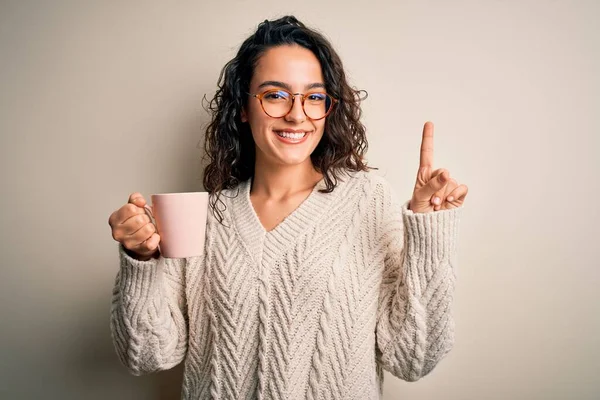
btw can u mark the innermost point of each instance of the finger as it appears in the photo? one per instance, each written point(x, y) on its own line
point(137, 199)
point(130, 228)
point(425, 175)
point(147, 247)
point(459, 193)
point(435, 184)
point(440, 196)
point(134, 240)
point(134, 224)
point(452, 184)
point(427, 146)
point(151, 244)
point(122, 214)
point(127, 211)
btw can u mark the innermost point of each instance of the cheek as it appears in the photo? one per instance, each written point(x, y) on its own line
point(257, 119)
point(319, 127)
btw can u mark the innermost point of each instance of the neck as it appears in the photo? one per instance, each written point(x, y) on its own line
point(278, 182)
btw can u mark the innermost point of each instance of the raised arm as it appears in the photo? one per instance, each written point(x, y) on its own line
point(415, 327)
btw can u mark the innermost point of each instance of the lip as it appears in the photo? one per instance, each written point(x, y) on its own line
point(291, 130)
point(290, 141)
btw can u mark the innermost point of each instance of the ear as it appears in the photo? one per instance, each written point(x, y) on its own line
point(244, 115)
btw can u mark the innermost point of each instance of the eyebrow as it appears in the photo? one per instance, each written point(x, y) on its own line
point(288, 87)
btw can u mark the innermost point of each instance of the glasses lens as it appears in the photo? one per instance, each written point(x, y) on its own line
point(278, 103)
point(316, 105)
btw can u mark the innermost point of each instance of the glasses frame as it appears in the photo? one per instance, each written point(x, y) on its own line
point(302, 96)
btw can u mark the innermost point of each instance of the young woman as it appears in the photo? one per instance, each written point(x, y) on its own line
point(315, 277)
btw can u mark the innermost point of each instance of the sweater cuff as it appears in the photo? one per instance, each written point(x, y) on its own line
point(431, 235)
point(137, 277)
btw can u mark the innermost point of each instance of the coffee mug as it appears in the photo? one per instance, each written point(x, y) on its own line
point(180, 220)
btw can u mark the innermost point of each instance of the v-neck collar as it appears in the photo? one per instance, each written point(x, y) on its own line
point(287, 231)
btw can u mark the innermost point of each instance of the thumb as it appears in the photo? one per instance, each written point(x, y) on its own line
point(137, 199)
point(434, 185)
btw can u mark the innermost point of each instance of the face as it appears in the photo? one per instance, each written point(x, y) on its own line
point(298, 70)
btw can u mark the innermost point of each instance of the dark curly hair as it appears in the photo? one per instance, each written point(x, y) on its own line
point(229, 145)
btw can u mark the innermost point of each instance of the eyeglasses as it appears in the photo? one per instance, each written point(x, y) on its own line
point(277, 103)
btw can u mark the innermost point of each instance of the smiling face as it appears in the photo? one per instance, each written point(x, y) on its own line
point(297, 70)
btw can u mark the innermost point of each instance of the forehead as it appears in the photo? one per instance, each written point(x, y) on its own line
point(294, 65)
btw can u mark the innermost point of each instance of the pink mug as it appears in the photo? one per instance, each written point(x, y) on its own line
point(180, 220)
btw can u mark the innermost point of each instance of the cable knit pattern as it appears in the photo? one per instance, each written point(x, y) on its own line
point(349, 284)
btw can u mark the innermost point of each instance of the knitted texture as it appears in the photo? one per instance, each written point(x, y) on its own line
point(351, 283)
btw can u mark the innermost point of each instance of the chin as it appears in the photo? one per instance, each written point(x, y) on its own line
point(289, 161)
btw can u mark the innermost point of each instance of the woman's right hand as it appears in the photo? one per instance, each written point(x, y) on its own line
point(134, 230)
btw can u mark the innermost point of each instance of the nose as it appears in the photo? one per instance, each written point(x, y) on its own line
point(296, 114)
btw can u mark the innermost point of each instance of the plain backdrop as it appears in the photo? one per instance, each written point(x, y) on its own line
point(99, 99)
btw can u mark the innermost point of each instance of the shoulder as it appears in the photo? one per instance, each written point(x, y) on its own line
point(362, 178)
point(385, 197)
point(374, 191)
point(225, 201)
point(227, 195)
point(377, 202)
point(372, 184)
point(379, 185)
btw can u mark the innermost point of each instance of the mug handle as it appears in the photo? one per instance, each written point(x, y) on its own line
point(148, 211)
point(150, 214)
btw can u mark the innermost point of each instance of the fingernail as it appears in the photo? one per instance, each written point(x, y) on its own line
point(450, 198)
point(442, 178)
point(436, 200)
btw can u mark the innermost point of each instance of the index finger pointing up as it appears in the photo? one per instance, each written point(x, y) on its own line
point(427, 146)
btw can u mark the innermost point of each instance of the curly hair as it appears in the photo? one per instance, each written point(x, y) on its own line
point(229, 145)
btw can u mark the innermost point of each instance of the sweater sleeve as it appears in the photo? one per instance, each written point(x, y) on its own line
point(148, 321)
point(415, 327)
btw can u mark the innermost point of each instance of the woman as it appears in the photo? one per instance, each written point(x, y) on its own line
point(314, 277)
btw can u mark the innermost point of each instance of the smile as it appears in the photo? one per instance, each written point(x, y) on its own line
point(292, 137)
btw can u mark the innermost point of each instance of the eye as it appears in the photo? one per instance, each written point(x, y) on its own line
point(277, 95)
point(317, 96)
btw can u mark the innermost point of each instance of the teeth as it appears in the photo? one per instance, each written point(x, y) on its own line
point(292, 135)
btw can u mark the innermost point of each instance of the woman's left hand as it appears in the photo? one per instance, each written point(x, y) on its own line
point(432, 186)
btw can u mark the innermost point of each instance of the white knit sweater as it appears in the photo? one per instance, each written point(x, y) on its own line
point(351, 282)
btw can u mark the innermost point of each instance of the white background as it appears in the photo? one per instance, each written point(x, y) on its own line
point(99, 99)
